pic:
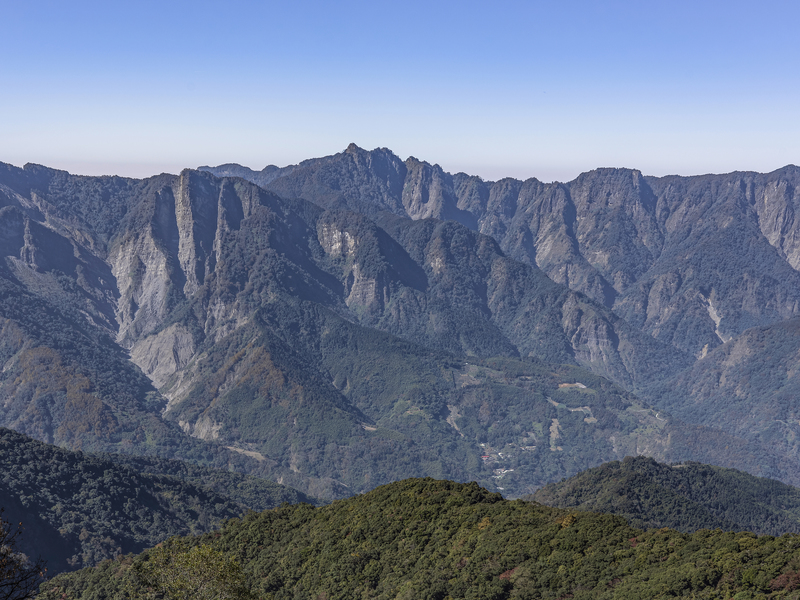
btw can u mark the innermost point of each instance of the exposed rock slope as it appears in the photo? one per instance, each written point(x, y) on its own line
point(693, 261)
point(340, 345)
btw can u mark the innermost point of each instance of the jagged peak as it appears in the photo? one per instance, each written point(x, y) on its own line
point(412, 162)
point(508, 180)
point(227, 166)
point(352, 148)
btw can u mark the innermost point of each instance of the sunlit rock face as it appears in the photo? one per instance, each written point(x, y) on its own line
point(652, 249)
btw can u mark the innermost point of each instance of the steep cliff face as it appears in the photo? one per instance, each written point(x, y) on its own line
point(440, 284)
point(80, 287)
point(693, 263)
point(777, 203)
point(168, 248)
point(365, 278)
point(541, 230)
point(690, 261)
point(675, 256)
point(432, 282)
point(428, 193)
point(45, 260)
point(717, 274)
point(616, 228)
point(225, 297)
point(145, 264)
point(12, 231)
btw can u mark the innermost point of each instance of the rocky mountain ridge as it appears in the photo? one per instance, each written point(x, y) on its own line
point(662, 252)
point(694, 262)
point(334, 344)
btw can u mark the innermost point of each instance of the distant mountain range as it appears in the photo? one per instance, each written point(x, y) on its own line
point(358, 319)
point(693, 261)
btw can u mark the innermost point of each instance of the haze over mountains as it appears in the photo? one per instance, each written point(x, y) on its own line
point(359, 319)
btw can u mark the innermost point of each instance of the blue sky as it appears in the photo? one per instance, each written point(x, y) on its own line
point(523, 89)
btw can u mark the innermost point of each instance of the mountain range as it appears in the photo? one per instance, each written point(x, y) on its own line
point(358, 319)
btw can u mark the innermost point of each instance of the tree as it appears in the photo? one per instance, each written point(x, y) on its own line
point(19, 578)
point(176, 572)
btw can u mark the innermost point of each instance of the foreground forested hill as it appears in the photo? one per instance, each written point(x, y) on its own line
point(79, 509)
point(687, 496)
point(437, 539)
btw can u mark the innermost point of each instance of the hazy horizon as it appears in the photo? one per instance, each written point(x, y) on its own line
point(516, 89)
point(144, 171)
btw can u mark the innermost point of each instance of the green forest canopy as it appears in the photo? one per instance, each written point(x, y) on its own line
point(429, 539)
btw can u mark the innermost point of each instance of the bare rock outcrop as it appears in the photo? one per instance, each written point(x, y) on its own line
point(162, 355)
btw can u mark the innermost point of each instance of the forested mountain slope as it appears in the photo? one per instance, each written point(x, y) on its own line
point(438, 539)
point(748, 386)
point(685, 496)
point(78, 509)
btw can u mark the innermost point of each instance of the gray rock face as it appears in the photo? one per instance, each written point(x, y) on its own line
point(428, 193)
point(777, 203)
point(438, 284)
point(691, 261)
point(162, 355)
point(366, 182)
point(12, 231)
point(172, 245)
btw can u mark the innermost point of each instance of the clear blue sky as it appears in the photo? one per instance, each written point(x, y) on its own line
point(544, 89)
